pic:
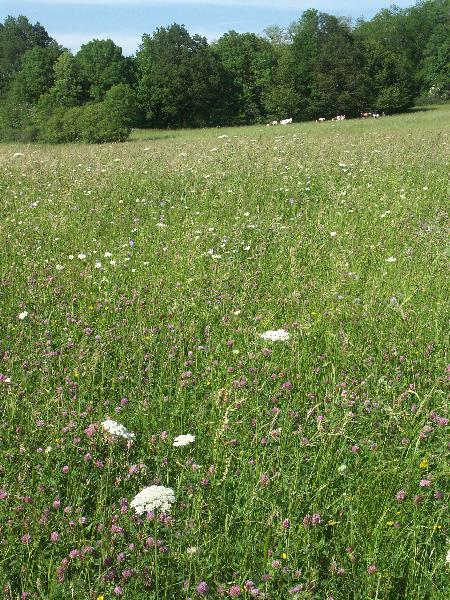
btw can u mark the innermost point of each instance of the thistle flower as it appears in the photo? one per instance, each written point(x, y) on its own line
point(117, 429)
point(152, 497)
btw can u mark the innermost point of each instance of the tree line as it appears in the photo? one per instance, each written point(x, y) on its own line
point(320, 66)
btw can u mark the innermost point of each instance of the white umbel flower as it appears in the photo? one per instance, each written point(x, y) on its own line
point(184, 440)
point(23, 315)
point(152, 497)
point(278, 335)
point(117, 429)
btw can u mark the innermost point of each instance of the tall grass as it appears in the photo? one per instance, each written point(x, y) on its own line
point(136, 280)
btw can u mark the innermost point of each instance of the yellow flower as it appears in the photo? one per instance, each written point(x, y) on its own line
point(389, 523)
point(423, 463)
point(101, 597)
point(283, 555)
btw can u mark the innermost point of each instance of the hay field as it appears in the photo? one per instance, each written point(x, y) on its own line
point(136, 282)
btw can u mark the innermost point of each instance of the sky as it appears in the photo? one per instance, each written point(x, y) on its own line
point(74, 22)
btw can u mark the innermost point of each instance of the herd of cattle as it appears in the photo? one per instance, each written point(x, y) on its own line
point(363, 115)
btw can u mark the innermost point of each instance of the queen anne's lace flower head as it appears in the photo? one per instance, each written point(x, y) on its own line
point(153, 497)
point(279, 335)
point(117, 429)
point(184, 440)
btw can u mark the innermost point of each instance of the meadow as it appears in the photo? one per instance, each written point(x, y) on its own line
point(136, 282)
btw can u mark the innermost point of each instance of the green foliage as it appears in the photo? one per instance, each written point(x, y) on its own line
point(93, 123)
point(101, 65)
point(250, 62)
point(67, 90)
point(36, 74)
point(319, 66)
point(180, 80)
point(17, 35)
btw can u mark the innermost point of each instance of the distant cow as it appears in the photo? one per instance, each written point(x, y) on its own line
point(320, 120)
point(366, 115)
point(339, 118)
point(286, 121)
point(376, 116)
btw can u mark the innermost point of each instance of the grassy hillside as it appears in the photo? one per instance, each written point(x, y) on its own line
point(136, 281)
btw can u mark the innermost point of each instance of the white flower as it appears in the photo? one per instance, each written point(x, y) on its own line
point(184, 440)
point(114, 428)
point(107, 255)
point(71, 257)
point(59, 267)
point(23, 315)
point(98, 265)
point(152, 497)
point(82, 256)
point(333, 233)
point(391, 259)
point(279, 335)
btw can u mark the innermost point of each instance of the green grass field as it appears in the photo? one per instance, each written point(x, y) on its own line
point(136, 281)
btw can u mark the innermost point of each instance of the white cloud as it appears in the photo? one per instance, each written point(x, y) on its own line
point(73, 41)
point(295, 4)
point(130, 42)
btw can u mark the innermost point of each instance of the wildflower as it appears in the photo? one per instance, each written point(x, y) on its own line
point(202, 588)
point(54, 537)
point(423, 463)
point(184, 440)
point(234, 591)
point(276, 564)
point(424, 483)
point(100, 597)
point(391, 259)
point(117, 429)
point(154, 496)
point(23, 315)
point(278, 335)
point(82, 256)
point(371, 569)
point(400, 495)
point(333, 233)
